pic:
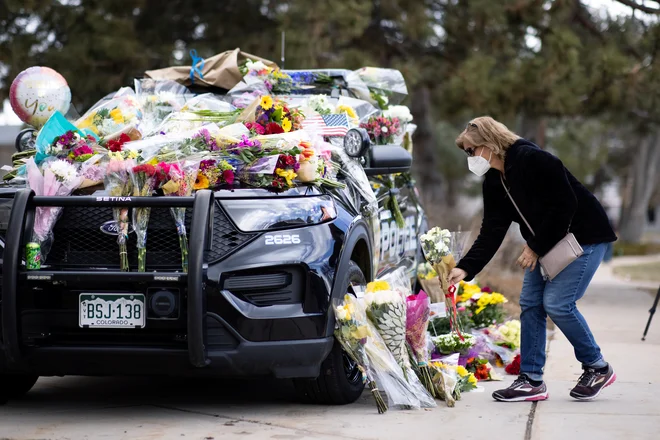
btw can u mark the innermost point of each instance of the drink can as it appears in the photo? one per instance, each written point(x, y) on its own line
point(33, 256)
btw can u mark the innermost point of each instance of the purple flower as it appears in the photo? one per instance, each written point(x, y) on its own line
point(268, 84)
point(94, 173)
point(206, 164)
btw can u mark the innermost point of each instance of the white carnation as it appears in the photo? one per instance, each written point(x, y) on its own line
point(401, 112)
point(255, 66)
point(64, 171)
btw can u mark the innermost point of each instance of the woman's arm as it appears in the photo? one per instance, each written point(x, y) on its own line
point(494, 226)
point(546, 175)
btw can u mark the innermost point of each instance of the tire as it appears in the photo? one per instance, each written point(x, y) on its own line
point(15, 386)
point(339, 381)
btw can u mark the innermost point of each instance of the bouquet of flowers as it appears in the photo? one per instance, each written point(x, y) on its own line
point(452, 343)
point(445, 379)
point(72, 142)
point(417, 321)
point(59, 178)
point(270, 116)
point(352, 332)
point(482, 369)
point(179, 180)
point(484, 306)
point(386, 86)
point(436, 247)
point(145, 181)
point(386, 309)
point(273, 78)
point(382, 130)
point(118, 184)
point(213, 173)
point(507, 335)
point(110, 119)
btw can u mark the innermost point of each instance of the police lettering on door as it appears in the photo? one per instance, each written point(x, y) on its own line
point(395, 241)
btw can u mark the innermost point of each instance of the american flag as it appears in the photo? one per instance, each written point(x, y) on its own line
point(327, 125)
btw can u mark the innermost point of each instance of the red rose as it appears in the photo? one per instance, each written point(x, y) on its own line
point(274, 128)
point(514, 367)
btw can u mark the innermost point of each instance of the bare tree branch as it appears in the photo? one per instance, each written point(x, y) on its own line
point(633, 4)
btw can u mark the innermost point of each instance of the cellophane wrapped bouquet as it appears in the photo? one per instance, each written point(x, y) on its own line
point(118, 183)
point(441, 249)
point(417, 322)
point(145, 181)
point(109, 119)
point(56, 177)
point(352, 332)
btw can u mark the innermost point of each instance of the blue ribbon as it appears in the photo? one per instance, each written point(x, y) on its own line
point(197, 66)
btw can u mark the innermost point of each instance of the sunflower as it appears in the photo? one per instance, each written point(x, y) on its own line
point(202, 182)
point(286, 125)
point(266, 102)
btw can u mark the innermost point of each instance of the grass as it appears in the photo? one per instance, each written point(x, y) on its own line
point(641, 272)
point(635, 249)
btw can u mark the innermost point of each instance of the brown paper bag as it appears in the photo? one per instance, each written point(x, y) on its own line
point(220, 70)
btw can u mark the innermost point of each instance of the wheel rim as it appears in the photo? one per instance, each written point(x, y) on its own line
point(351, 369)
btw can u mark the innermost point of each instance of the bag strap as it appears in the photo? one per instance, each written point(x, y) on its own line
point(516, 206)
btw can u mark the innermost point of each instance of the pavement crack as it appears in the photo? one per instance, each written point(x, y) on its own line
point(255, 422)
point(530, 421)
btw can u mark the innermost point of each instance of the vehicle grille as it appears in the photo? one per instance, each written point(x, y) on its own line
point(79, 242)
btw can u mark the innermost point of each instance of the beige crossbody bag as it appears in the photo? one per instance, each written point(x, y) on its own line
point(560, 256)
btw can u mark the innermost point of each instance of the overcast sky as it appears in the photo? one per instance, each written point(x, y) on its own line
point(7, 116)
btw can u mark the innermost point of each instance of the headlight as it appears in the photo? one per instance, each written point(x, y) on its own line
point(356, 142)
point(281, 213)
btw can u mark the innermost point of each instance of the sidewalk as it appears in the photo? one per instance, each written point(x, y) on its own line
point(605, 274)
point(630, 409)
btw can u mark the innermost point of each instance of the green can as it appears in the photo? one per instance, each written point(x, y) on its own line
point(33, 256)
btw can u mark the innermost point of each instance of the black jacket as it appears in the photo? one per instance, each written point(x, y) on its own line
point(550, 198)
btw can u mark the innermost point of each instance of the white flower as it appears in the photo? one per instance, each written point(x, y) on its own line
point(401, 112)
point(255, 66)
point(341, 313)
point(64, 171)
point(384, 129)
point(320, 104)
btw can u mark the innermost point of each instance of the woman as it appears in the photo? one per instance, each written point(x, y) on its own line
point(553, 202)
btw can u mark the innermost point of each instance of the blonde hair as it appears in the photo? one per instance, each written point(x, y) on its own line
point(487, 132)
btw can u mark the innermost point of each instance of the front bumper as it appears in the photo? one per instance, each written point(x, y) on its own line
point(220, 330)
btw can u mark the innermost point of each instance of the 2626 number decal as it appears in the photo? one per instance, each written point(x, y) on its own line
point(278, 239)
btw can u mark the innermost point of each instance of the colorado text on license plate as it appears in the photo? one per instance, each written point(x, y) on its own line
point(111, 310)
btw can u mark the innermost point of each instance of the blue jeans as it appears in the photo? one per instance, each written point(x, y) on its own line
point(556, 299)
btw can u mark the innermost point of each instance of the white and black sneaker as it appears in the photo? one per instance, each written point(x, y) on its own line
point(592, 382)
point(522, 390)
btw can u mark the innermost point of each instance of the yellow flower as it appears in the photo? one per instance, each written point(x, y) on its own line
point(116, 116)
point(350, 112)
point(266, 102)
point(462, 371)
point(484, 301)
point(376, 286)
point(85, 123)
point(479, 310)
point(360, 333)
point(132, 154)
point(202, 182)
point(115, 155)
point(472, 380)
point(288, 175)
point(286, 125)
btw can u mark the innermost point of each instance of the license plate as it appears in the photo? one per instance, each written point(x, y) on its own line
point(105, 310)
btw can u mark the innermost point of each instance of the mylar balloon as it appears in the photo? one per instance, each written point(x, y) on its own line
point(37, 93)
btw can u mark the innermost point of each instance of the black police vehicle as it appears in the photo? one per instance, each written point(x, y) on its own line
point(264, 268)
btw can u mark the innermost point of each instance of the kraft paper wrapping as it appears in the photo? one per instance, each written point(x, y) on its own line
point(220, 70)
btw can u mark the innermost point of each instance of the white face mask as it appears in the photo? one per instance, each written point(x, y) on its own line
point(479, 165)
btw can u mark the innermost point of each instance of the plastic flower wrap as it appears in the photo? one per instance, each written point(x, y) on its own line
point(145, 181)
point(118, 184)
point(158, 99)
point(405, 392)
point(386, 309)
point(179, 180)
point(59, 178)
point(417, 321)
point(387, 86)
point(111, 118)
point(352, 332)
point(445, 379)
point(274, 79)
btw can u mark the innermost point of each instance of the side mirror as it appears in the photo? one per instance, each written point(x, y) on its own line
point(387, 159)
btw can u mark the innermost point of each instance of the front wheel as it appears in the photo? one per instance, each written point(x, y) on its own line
point(15, 386)
point(340, 379)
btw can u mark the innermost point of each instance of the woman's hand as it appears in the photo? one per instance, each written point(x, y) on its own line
point(456, 276)
point(528, 259)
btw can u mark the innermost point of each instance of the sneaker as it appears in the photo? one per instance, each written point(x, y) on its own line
point(592, 382)
point(521, 390)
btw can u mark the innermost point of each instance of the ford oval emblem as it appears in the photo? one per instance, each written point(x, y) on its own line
point(110, 228)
